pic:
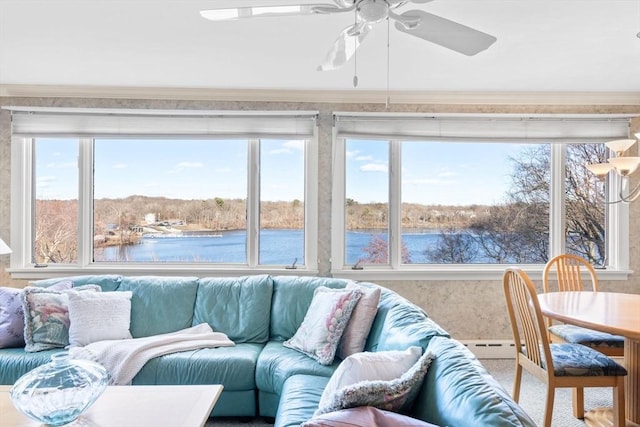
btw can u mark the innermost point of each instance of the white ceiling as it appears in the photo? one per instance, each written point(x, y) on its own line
point(543, 46)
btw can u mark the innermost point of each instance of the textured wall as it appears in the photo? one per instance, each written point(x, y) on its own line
point(468, 309)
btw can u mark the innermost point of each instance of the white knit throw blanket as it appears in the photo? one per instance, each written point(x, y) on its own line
point(124, 358)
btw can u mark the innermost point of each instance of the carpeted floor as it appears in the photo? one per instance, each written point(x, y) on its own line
point(532, 397)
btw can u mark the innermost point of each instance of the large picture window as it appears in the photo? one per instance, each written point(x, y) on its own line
point(445, 193)
point(212, 192)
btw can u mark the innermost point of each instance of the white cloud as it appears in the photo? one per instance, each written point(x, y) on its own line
point(43, 182)
point(289, 147)
point(364, 158)
point(351, 154)
point(446, 174)
point(186, 165)
point(119, 166)
point(294, 145)
point(63, 165)
point(280, 151)
point(374, 167)
point(427, 181)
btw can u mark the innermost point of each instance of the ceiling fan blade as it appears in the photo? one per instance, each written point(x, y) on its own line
point(234, 13)
point(345, 46)
point(446, 33)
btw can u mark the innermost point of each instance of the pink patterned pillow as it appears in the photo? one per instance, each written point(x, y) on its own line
point(327, 317)
point(355, 334)
point(364, 416)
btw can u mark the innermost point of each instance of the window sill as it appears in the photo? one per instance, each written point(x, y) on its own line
point(36, 273)
point(458, 273)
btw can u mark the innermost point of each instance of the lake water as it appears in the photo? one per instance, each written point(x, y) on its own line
point(277, 247)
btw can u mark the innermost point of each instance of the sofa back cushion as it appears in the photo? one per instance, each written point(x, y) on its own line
point(238, 306)
point(400, 324)
point(107, 282)
point(160, 304)
point(292, 296)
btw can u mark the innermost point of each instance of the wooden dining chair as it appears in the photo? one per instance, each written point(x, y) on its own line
point(556, 364)
point(570, 272)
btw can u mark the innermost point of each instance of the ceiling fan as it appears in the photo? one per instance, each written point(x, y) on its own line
point(368, 13)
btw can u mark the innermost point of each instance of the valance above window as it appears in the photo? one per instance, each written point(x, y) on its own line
point(478, 127)
point(33, 122)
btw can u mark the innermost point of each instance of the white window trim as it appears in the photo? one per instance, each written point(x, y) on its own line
point(22, 176)
point(617, 221)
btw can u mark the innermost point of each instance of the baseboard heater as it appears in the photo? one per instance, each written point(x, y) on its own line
point(491, 349)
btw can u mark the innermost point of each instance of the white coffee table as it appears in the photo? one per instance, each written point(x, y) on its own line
point(133, 406)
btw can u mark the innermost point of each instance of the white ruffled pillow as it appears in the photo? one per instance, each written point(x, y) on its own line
point(395, 395)
point(327, 317)
point(369, 366)
point(98, 316)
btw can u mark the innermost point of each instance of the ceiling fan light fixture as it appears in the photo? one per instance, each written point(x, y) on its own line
point(373, 11)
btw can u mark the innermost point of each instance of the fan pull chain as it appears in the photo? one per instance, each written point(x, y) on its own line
point(355, 53)
point(355, 69)
point(386, 104)
point(638, 35)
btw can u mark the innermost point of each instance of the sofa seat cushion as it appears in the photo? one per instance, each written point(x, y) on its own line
point(160, 304)
point(300, 397)
point(233, 367)
point(277, 363)
point(238, 306)
point(15, 362)
point(456, 376)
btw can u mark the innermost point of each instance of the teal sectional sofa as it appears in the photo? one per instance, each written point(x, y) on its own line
point(263, 377)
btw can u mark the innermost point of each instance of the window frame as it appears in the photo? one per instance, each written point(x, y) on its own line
point(617, 223)
point(23, 205)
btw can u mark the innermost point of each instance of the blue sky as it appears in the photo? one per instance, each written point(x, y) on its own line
point(433, 173)
point(194, 169)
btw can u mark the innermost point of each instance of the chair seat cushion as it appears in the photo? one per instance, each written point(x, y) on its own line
point(579, 335)
point(581, 361)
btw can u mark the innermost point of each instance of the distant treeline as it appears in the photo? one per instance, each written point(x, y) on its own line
point(220, 214)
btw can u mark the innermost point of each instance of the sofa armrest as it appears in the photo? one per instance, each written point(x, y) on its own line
point(458, 391)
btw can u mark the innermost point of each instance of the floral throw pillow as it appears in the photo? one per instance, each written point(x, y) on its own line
point(327, 317)
point(395, 395)
point(46, 317)
point(12, 315)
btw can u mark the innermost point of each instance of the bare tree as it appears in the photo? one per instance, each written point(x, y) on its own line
point(56, 231)
point(454, 247)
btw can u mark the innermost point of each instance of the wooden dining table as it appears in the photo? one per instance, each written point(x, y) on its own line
point(615, 313)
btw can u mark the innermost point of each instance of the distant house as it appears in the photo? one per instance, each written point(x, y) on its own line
point(150, 218)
